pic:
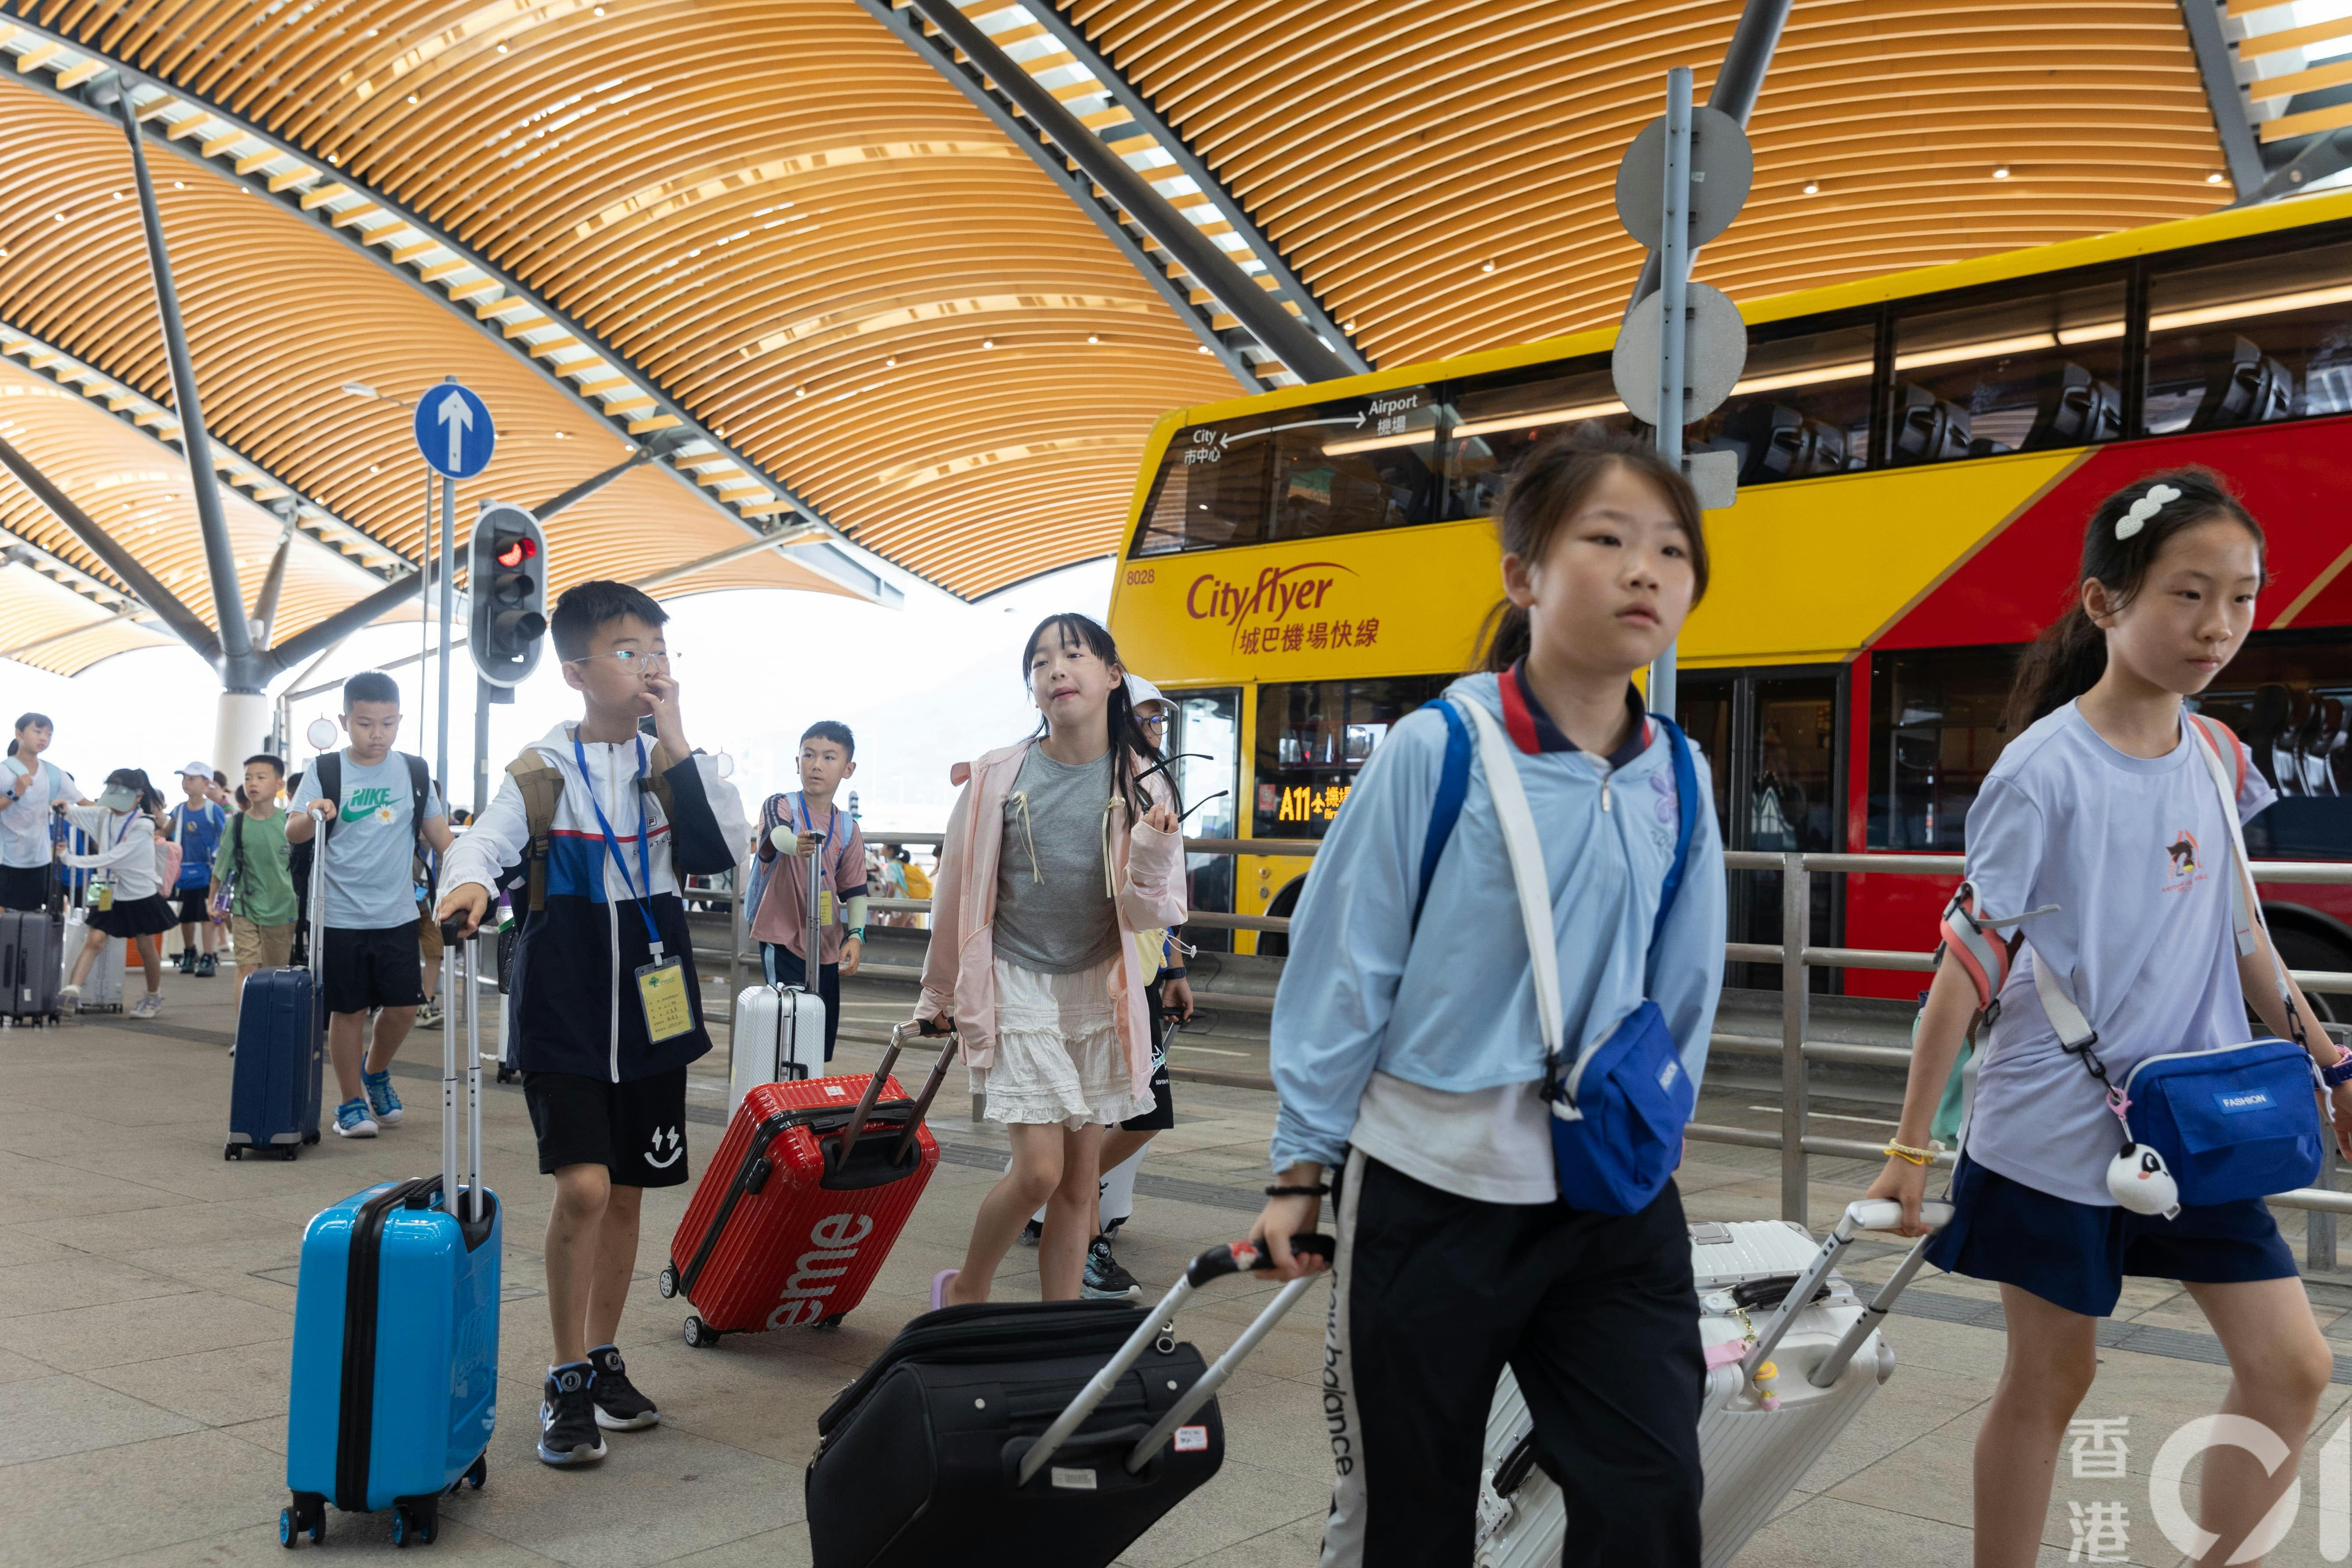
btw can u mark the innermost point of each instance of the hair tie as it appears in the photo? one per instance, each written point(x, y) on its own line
point(2157, 498)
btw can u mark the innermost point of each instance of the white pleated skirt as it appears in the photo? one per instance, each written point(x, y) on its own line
point(1058, 1058)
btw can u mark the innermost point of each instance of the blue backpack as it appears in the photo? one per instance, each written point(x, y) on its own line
point(1619, 1107)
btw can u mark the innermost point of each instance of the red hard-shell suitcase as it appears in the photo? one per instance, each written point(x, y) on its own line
point(797, 1211)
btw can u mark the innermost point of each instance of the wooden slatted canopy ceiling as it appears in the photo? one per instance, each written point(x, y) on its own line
point(1395, 152)
point(772, 219)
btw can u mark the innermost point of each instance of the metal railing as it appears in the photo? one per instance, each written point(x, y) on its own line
point(1796, 953)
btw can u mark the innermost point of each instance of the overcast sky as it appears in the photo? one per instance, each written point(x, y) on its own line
point(924, 687)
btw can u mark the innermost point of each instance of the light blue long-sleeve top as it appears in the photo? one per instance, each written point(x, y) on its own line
point(1454, 1009)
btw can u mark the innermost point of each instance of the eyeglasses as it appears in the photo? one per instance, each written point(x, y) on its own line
point(631, 660)
point(1152, 721)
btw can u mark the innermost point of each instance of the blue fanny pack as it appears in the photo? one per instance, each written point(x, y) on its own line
point(1620, 1105)
point(2209, 1126)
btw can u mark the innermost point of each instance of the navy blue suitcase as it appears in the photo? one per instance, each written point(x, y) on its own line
point(278, 1081)
point(393, 1394)
point(279, 1073)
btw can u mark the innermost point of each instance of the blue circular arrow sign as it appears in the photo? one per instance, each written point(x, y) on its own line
point(454, 430)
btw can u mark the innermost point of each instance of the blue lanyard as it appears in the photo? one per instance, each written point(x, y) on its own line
point(645, 832)
point(824, 839)
point(127, 821)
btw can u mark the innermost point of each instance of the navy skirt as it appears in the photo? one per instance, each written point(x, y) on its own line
point(2075, 1254)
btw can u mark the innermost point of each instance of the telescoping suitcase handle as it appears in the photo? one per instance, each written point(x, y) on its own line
point(1214, 1264)
point(1867, 1214)
point(461, 971)
point(856, 1128)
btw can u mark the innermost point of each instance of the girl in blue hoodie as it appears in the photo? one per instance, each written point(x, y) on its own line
point(1411, 1064)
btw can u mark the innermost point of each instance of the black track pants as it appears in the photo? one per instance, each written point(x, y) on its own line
point(1434, 1294)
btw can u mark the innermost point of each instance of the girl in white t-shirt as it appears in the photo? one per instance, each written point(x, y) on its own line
point(2098, 846)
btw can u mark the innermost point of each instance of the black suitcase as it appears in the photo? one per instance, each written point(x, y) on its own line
point(31, 955)
point(997, 1436)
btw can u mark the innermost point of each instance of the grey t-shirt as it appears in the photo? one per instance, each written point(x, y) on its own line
point(370, 852)
point(1054, 912)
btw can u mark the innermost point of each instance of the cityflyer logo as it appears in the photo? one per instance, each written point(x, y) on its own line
point(1281, 603)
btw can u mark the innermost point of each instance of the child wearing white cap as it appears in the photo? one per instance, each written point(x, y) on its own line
point(196, 826)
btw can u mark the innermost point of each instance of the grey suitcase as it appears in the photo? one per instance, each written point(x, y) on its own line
point(28, 965)
point(1759, 1432)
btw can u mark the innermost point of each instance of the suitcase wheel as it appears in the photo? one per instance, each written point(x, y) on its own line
point(288, 1152)
point(305, 1515)
point(416, 1522)
point(833, 1322)
point(667, 1281)
point(311, 1136)
point(699, 1335)
point(479, 1473)
point(230, 1151)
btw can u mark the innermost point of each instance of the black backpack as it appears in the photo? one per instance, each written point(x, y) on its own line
point(327, 785)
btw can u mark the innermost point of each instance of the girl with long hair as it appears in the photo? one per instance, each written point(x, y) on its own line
point(126, 882)
point(2076, 886)
point(1060, 851)
point(1411, 1052)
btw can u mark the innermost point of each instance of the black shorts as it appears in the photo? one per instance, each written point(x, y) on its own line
point(365, 969)
point(25, 888)
point(635, 1130)
point(195, 904)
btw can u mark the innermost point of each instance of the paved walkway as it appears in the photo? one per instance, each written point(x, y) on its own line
point(146, 1291)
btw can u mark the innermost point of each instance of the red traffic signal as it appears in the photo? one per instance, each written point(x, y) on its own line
point(518, 550)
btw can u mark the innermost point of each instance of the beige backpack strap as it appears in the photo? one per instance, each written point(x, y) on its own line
point(541, 784)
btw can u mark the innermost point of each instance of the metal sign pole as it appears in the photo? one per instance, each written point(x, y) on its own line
point(1674, 254)
point(448, 608)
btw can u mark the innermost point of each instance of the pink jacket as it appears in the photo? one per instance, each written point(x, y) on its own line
point(960, 968)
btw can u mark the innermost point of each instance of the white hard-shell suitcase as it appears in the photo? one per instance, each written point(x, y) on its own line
point(1758, 1433)
point(778, 1037)
point(102, 988)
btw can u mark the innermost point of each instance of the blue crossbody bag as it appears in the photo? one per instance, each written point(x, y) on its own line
point(2205, 1126)
point(1619, 1105)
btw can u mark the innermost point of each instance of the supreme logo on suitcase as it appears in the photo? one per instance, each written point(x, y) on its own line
point(797, 1211)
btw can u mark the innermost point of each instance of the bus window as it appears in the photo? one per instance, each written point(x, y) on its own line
point(1297, 473)
point(1337, 475)
point(2290, 700)
point(1934, 731)
point(1314, 736)
point(2248, 341)
point(1496, 419)
point(1207, 495)
point(2017, 372)
point(1802, 408)
point(1205, 740)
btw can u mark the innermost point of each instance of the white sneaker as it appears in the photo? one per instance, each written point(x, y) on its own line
point(352, 1120)
point(69, 998)
point(147, 1006)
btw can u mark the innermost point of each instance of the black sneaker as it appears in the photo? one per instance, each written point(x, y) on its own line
point(187, 961)
point(620, 1407)
point(1031, 1232)
point(1105, 1281)
point(207, 965)
point(567, 1417)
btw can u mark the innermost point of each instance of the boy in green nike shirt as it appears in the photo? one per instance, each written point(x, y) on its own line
point(252, 858)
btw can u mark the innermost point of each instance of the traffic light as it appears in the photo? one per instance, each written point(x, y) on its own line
point(507, 580)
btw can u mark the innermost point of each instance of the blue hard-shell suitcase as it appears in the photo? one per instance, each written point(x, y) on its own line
point(278, 1073)
point(279, 1077)
point(395, 1387)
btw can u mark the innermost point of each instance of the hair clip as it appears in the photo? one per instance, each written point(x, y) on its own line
point(2158, 497)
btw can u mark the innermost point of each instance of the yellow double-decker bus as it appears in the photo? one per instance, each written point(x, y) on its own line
point(1916, 454)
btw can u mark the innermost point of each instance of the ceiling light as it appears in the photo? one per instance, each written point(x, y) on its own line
point(61, 217)
point(600, 10)
point(373, 468)
point(2001, 172)
point(558, 435)
point(116, 195)
point(361, 389)
point(1813, 187)
point(412, 98)
point(1093, 338)
point(988, 343)
point(892, 362)
point(1488, 267)
point(800, 392)
point(179, 185)
point(331, 158)
point(696, 251)
point(2214, 178)
point(502, 48)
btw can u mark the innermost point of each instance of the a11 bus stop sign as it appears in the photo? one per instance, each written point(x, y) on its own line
point(454, 430)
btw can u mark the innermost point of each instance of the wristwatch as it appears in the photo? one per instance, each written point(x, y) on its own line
point(2341, 1072)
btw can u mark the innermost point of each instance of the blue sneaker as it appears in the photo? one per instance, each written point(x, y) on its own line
point(352, 1120)
point(381, 1098)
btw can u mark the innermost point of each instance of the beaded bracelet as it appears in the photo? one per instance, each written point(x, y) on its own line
point(1281, 1192)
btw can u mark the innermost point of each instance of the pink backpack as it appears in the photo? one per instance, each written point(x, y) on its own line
point(167, 864)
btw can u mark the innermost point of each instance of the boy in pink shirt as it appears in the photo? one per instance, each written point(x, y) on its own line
point(816, 833)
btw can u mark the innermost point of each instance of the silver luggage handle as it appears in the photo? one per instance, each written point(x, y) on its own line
point(1866, 1213)
point(1214, 1264)
point(461, 969)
